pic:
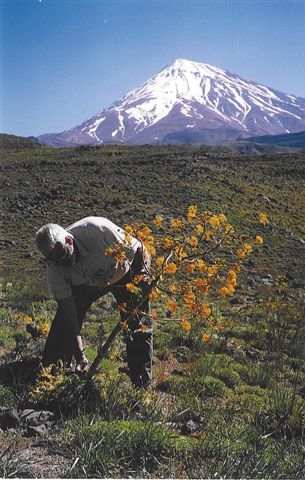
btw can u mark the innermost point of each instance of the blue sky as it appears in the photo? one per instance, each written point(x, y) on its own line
point(64, 60)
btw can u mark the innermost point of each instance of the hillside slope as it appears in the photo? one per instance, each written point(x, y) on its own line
point(43, 185)
point(288, 140)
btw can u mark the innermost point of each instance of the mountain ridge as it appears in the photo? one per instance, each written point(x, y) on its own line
point(191, 96)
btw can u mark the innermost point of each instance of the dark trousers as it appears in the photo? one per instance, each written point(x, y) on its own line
point(139, 344)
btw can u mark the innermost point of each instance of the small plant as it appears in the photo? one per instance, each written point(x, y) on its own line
point(284, 414)
point(110, 449)
point(260, 374)
point(108, 394)
point(230, 377)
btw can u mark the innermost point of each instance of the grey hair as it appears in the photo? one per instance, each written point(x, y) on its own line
point(48, 235)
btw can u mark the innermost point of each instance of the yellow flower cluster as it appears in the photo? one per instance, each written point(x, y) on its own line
point(214, 221)
point(158, 220)
point(244, 251)
point(110, 251)
point(202, 285)
point(129, 230)
point(222, 217)
point(212, 270)
point(43, 329)
point(199, 229)
point(160, 261)
point(144, 234)
point(153, 294)
point(190, 267)
point(168, 243)
point(185, 325)
point(176, 224)
point(232, 278)
point(192, 241)
point(131, 287)
point(205, 310)
point(263, 218)
point(27, 319)
point(192, 212)
point(172, 305)
point(171, 268)
point(117, 251)
point(47, 383)
point(205, 337)
point(173, 288)
point(207, 235)
point(231, 283)
point(259, 240)
point(189, 298)
point(201, 266)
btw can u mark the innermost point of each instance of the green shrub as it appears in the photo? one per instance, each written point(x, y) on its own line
point(283, 415)
point(260, 374)
point(230, 377)
point(211, 387)
point(120, 448)
point(200, 387)
point(236, 450)
point(109, 394)
point(246, 402)
point(187, 406)
point(209, 363)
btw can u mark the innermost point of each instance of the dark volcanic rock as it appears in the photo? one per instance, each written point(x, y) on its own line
point(40, 430)
point(182, 354)
point(35, 418)
point(190, 427)
point(9, 419)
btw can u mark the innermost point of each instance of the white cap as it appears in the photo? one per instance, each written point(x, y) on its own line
point(48, 235)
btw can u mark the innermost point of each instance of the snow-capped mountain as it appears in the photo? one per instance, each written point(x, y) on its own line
point(190, 102)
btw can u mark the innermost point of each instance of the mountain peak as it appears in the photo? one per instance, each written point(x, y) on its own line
point(191, 100)
point(182, 62)
point(192, 67)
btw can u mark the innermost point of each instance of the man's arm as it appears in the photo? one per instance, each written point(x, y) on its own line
point(67, 311)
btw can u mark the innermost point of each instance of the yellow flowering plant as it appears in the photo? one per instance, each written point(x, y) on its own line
point(196, 259)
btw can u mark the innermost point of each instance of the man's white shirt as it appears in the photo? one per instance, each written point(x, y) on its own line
point(93, 266)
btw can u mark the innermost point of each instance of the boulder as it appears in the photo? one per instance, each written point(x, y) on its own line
point(34, 418)
point(40, 430)
point(9, 419)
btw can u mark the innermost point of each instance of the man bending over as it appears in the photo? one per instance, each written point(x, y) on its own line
point(79, 271)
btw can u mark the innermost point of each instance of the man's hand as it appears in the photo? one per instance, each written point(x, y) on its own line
point(82, 366)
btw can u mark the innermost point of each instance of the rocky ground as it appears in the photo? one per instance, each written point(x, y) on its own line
point(232, 408)
point(28, 449)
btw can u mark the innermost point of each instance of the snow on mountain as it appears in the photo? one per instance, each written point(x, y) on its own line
point(190, 100)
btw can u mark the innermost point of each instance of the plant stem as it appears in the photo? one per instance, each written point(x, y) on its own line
point(102, 352)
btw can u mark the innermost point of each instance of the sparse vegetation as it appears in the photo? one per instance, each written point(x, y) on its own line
point(232, 406)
